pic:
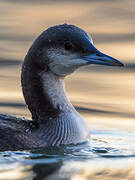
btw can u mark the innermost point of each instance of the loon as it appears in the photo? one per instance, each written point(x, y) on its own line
point(56, 53)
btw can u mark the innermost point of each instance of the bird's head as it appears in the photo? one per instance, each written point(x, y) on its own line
point(64, 48)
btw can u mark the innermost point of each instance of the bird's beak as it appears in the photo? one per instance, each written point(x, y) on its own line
point(98, 57)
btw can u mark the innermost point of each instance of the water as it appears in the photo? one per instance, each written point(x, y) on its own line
point(103, 95)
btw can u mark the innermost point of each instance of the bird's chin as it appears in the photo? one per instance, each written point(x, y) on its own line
point(62, 71)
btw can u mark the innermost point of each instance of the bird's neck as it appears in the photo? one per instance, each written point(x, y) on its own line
point(44, 93)
point(54, 89)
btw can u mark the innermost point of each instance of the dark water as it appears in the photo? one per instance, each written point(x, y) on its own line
point(103, 95)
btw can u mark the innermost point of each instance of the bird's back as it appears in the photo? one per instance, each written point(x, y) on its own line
point(13, 133)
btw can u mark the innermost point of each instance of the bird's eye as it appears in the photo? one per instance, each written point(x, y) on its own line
point(68, 46)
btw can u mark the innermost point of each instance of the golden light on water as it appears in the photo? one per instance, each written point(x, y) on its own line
point(105, 95)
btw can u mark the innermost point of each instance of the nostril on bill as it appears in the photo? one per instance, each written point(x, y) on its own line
point(100, 55)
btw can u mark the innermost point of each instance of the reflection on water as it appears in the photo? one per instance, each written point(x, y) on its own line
point(103, 95)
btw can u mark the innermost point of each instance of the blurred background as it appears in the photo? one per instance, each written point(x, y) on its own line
point(105, 96)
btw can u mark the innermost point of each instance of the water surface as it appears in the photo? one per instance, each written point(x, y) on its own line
point(103, 95)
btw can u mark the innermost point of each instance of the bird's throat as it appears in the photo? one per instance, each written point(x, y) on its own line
point(54, 89)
